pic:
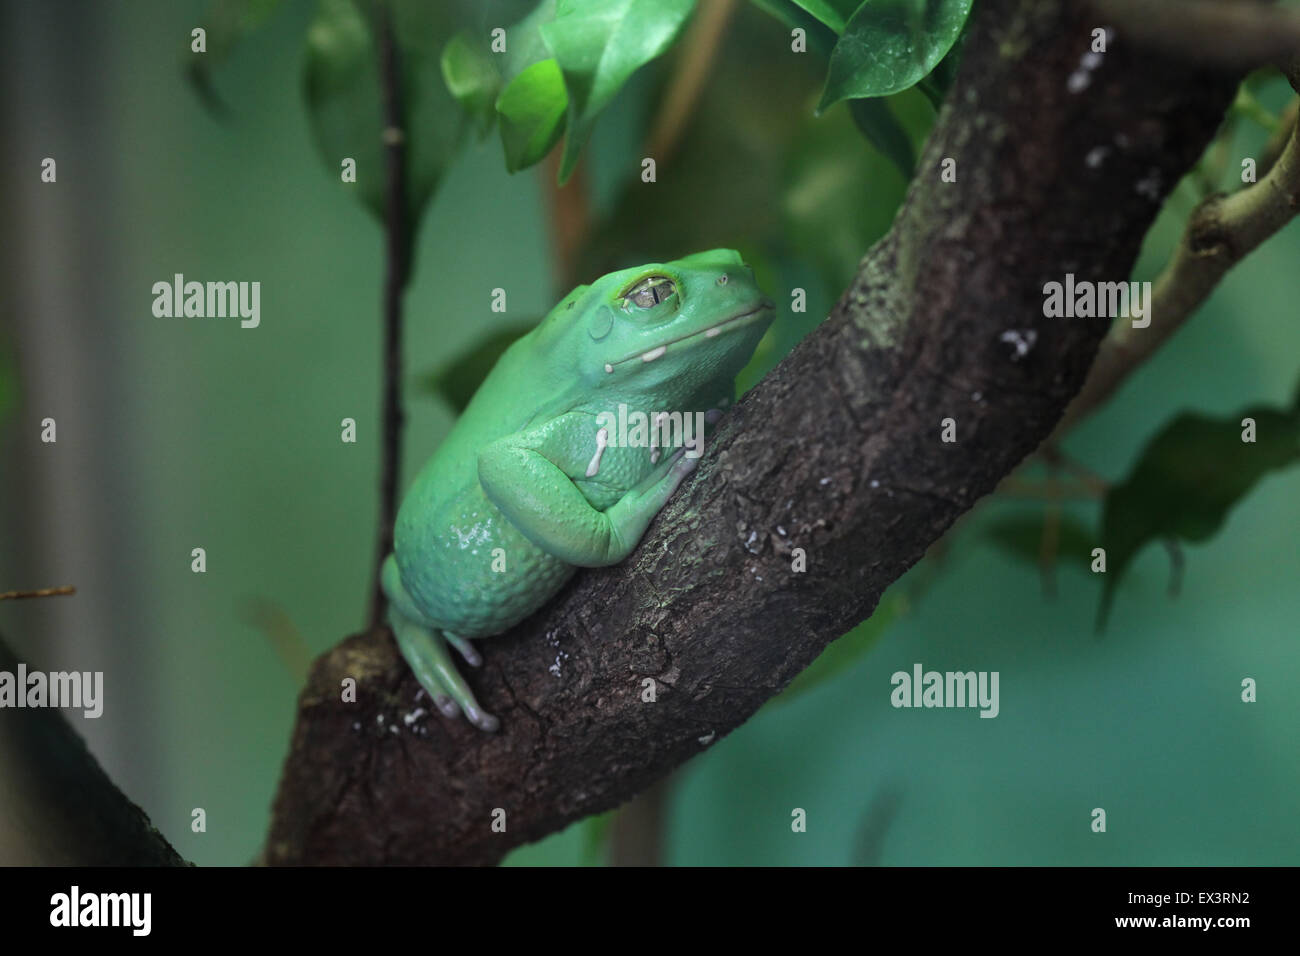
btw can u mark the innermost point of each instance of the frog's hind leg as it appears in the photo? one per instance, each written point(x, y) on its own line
point(425, 650)
point(408, 642)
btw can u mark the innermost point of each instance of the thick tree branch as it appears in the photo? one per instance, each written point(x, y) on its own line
point(837, 452)
point(61, 808)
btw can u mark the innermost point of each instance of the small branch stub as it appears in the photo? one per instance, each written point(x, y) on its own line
point(39, 593)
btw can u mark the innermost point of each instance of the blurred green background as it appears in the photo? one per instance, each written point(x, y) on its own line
point(176, 434)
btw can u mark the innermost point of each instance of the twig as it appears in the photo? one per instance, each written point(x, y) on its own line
point(1281, 136)
point(397, 249)
point(39, 593)
point(1252, 109)
point(570, 218)
point(698, 50)
point(282, 634)
point(1222, 231)
point(1050, 543)
point(1014, 487)
point(1095, 484)
point(1211, 32)
point(637, 833)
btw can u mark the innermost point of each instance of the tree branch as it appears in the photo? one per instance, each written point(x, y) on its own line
point(62, 810)
point(690, 71)
point(397, 252)
point(38, 593)
point(1221, 232)
point(1229, 33)
point(837, 452)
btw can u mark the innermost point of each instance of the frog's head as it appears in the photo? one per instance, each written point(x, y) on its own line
point(665, 328)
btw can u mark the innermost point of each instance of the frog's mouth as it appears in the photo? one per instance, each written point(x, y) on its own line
point(713, 331)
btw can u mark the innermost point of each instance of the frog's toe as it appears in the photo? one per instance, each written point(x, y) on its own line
point(466, 647)
point(425, 649)
point(482, 719)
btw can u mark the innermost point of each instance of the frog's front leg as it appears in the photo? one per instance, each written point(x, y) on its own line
point(539, 499)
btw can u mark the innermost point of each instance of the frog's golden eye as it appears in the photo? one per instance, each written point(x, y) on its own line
point(649, 292)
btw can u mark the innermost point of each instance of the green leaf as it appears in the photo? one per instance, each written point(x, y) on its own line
point(458, 380)
point(345, 104)
point(226, 23)
point(1186, 481)
point(889, 45)
point(532, 114)
point(834, 13)
point(472, 77)
point(532, 100)
point(876, 120)
point(1021, 536)
point(820, 37)
point(599, 44)
point(939, 80)
point(524, 43)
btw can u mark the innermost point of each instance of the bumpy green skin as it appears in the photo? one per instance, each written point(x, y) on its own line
point(516, 472)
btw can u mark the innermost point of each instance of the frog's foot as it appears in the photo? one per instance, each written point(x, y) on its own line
point(426, 651)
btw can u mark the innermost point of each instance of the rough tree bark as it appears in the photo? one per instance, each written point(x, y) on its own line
point(836, 452)
point(64, 811)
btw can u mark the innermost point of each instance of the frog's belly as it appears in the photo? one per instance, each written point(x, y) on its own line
point(470, 571)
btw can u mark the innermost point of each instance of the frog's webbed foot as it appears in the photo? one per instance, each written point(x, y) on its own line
point(425, 649)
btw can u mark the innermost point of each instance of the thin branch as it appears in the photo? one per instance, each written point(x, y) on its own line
point(1226, 34)
point(1277, 142)
point(636, 835)
point(1092, 481)
point(397, 250)
point(1051, 490)
point(1221, 232)
point(282, 634)
point(39, 593)
point(695, 60)
point(1050, 543)
point(570, 218)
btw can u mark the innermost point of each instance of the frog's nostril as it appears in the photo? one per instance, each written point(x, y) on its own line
point(722, 279)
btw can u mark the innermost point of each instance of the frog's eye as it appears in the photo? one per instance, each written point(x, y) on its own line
point(649, 292)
